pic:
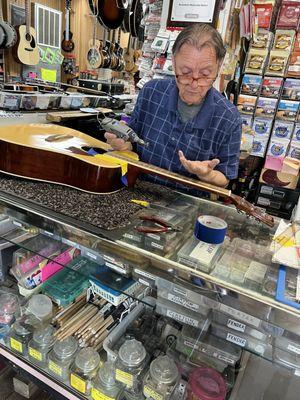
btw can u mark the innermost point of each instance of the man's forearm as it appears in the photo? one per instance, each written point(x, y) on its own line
point(215, 178)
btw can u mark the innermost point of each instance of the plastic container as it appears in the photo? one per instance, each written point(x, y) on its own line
point(105, 385)
point(19, 337)
point(65, 286)
point(238, 326)
point(206, 384)
point(40, 345)
point(40, 306)
point(240, 339)
point(84, 370)
point(9, 308)
point(199, 255)
point(61, 357)
point(181, 314)
point(161, 378)
point(288, 359)
point(255, 275)
point(130, 364)
point(190, 340)
point(183, 301)
point(289, 344)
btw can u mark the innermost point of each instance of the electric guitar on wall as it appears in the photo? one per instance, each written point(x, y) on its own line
point(26, 149)
point(67, 44)
point(26, 50)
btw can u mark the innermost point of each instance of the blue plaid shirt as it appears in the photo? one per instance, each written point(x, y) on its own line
point(215, 132)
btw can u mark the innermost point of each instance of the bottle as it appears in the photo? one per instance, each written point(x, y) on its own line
point(19, 337)
point(84, 370)
point(161, 379)
point(61, 357)
point(40, 345)
point(105, 385)
point(131, 361)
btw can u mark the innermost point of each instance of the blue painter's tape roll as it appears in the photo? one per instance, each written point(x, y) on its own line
point(210, 229)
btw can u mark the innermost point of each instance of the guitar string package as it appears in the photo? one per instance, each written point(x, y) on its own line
point(262, 127)
point(282, 129)
point(266, 107)
point(251, 84)
point(259, 146)
point(291, 89)
point(271, 87)
point(246, 104)
point(287, 110)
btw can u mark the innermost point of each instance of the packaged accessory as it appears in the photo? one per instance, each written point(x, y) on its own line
point(271, 87)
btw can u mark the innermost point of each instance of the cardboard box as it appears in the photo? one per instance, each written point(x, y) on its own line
point(278, 179)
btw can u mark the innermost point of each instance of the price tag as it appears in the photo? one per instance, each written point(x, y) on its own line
point(16, 345)
point(78, 383)
point(96, 395)
point(124, 377)
point(55, 368)
point(35, 354)
point(148, 392)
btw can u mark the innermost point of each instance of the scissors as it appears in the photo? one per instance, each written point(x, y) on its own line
point(159, 225)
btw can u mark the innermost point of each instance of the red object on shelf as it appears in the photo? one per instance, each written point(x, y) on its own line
point(206, 384)
point(289, 15)
point(263, 12)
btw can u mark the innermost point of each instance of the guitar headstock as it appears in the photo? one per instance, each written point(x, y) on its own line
point(243, 205)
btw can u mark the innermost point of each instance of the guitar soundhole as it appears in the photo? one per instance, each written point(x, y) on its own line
point(31, 40)
point(93, 150)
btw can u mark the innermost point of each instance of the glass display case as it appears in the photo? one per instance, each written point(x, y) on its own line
point(219, 303)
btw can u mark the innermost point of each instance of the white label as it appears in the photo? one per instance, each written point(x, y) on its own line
point(191, 345)
point(128, 236)
point(240, 315)
point(158, 246)
point(17, 223)
point(48, 233)
point(145, 274)
point(266, 190)
point(144, 282)
point(236, 340)
point(237, 326)
point(91, 255)
point(182, 318)
point(113, 266)
point(181, 291)
point(294, 349)
point(152, 236)
point(226, 359)
point(183, 302)
point(108, 258)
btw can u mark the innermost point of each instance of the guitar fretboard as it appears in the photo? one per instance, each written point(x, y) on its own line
point(197, 184)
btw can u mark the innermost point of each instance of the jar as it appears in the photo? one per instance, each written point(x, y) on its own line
point(19, 337)
point(84, 370)
point(206, 384)
point(131, 361)
point(105, 385)
point(61, 357)
point(9, 307)
point(40, 345)
point(130, 394)
point(161, 379)
point(40, 306)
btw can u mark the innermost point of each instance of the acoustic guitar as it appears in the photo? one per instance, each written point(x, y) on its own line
point(129, 57)
point(26, 50)
point(67, 44)
point(94, 56)
point(62, 155)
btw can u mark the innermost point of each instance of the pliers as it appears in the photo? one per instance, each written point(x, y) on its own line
point(159, 225)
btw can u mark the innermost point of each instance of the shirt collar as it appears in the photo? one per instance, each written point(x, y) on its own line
point(203, 118)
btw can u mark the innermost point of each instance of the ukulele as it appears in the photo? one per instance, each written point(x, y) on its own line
point(26, 149)
point(128, 57)
point(94, 56)
point(26, 51)
point(67, 43)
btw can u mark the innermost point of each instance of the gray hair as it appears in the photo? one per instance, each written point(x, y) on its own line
point(199, 36)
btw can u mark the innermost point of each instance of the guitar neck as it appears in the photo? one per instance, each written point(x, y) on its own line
point(172, 176)
point(67, 24)
point(27, 16)
point(1, 12)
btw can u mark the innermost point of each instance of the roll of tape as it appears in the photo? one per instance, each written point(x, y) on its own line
point(210, 229)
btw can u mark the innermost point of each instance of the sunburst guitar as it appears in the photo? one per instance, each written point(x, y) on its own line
point(65, 156)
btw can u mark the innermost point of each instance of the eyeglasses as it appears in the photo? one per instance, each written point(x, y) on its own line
point(201, 81)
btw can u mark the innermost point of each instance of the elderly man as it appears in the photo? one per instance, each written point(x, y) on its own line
point(189, 126)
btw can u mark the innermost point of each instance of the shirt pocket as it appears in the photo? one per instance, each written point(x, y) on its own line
point(198, 148)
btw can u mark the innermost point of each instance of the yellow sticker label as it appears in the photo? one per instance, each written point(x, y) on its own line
point(35, 354)
point(114, 160)
point(78, 383)
point(151, 393)
point(54, 368)
point(96, 395)
point(16, 345)
point(124, 377)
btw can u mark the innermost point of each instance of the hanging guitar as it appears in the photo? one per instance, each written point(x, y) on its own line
point(120, 51)
point(26, 50)
point(114, 57)
point(94, 56)
point(106, 51)
point(8, 34)
point(129, 56)
point(26, 149)
point(110, 12)
point(67, 43)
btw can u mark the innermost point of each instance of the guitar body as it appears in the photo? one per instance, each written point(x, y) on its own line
point(67, 45)
point(94, 56)
point(26, 51)
point(10, 35)
point(106, 55)
point(129, 60)
point(110, 15)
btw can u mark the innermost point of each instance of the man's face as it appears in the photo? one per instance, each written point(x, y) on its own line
point(190, 62)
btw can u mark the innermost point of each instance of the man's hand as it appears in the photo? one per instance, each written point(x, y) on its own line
point(117, 143)
point(199, 168)
point(204, 170)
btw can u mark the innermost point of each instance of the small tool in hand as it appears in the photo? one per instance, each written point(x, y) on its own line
point(159, 225)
